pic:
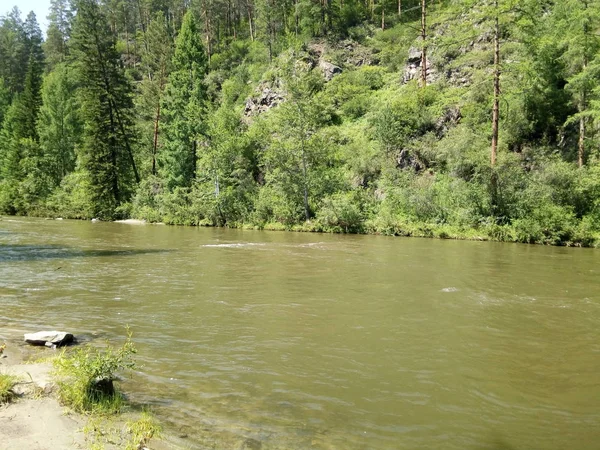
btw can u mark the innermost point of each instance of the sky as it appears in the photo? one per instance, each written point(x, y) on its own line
point(39, 7)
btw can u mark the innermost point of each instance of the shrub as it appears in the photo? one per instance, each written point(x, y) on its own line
point(548, 224)
point(341, 212)
point(86, 375)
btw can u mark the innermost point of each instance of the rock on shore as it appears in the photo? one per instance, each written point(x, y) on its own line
point(49, 338)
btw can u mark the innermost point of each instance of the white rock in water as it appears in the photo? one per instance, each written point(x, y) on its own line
point(52, 337)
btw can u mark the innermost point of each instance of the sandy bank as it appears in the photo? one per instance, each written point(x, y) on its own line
point(132, 221)
point(35, 420)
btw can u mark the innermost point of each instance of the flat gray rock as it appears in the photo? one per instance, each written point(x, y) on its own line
point(57, 338)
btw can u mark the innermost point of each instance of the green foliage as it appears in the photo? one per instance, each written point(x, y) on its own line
point(60, 125)
point(106, 151)
point(228, 114)
point(341, 212)
point(184, 108)
point(7, 382)
point(142, 431)
point(80, 371)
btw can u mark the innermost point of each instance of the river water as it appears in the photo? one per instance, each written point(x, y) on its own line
point(251, 339)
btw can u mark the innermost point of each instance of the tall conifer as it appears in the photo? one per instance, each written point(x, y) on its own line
point(184, 107)
point(107, 152)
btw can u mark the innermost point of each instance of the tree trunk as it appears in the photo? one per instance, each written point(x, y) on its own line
point(113, 156)
point(582, 106)
point(382, 16)
point(581, 142)
point(155, 140)
point(424, 44)
point(296, 18)
point(194, 158)
point(304, 175)
point(496, 106)
point(127, 146)
point(250, 23)
point(399, 8)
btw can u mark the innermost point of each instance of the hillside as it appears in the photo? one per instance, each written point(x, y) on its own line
point(306, 115)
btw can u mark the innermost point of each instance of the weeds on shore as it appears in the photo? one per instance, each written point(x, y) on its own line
point(141, 431)
point(133, 435)
point(7, 382)
point(86, 376)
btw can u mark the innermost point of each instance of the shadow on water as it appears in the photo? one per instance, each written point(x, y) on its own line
point(498, 443)
point(42, 252)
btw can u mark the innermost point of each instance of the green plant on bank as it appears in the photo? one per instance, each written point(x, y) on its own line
point(83, 376)
point(133, 435)
point(141, 431)
point(7, 382)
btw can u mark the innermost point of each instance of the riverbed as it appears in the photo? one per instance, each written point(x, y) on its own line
point(273, 340)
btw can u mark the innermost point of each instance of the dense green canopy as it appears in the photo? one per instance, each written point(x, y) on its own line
point(311, 115)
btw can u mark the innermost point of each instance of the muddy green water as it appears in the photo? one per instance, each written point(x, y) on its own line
point(271, 340)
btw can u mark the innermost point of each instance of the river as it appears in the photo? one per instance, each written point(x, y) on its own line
point(249, 339)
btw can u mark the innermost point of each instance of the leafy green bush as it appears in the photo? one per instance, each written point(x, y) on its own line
point(86, 375)
point(547, 224)
point(341, 212)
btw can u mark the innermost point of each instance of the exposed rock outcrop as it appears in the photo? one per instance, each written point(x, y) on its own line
point(449, 119)
point(406, 160)
point(268, 95)
point(414, 66)
point(329, 70)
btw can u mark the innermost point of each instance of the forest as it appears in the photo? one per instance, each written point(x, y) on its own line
point(462, 119)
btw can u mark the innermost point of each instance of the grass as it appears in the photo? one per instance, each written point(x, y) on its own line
point(7, 383)
point(133, 435)
point(141, 431)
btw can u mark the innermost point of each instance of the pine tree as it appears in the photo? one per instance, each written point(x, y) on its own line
point(4, 100)
point(59, 31)
point(107, 153)
point(59, 125)
point(184, 107)
point(14, 52)
point(156, 62)
point(18, 140)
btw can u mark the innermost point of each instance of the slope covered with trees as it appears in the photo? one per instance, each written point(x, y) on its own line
point(467, 119)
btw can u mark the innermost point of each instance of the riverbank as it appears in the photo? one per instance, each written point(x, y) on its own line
point(535, 233)
point(34, 418)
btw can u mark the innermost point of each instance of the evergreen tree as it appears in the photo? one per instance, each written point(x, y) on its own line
point(107, 153)
point(184, 107)
point(14, 52)
point(156, 62)
point(4, 100)
point(59, 32)
point(18, 140)
point(59, 125)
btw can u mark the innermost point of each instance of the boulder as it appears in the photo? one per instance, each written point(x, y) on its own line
point(102, 387)
point(57, 338)
point(269, 95)
point(329, 70)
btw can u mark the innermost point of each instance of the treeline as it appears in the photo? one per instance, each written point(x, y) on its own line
point(467, 119)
